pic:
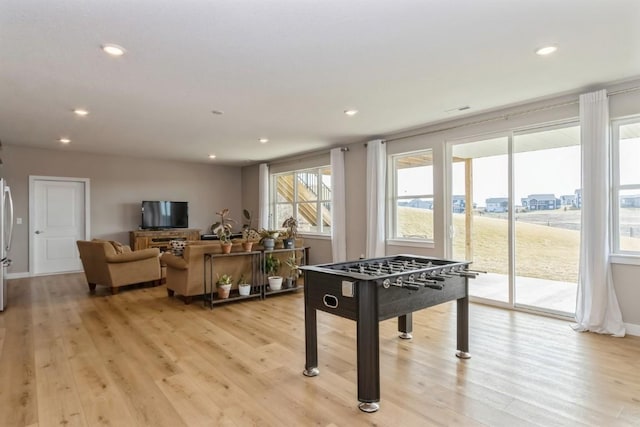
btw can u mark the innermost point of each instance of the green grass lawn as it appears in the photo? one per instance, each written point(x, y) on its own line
point(542, 251)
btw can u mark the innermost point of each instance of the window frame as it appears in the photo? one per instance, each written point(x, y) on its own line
point(393, 199)
point(616, 187)
point(319, 202)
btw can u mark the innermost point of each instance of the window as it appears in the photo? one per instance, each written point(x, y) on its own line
point(626, 186)
point(305, 195)
point(412, 196)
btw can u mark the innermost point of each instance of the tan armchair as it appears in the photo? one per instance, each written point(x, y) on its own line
point(103, 265)
point(185, 274)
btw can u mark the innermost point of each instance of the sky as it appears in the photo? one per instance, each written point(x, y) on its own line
point(553, 171)
point(550, 171)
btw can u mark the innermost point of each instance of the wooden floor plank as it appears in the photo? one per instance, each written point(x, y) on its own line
point(58, 398)
point(18, 388)
point(139, 358)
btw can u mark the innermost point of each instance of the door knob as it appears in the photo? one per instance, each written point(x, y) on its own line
point(39, 232)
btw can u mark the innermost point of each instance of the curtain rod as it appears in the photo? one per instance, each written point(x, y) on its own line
point(305, 155)
point(382, 141)
point(508, 116)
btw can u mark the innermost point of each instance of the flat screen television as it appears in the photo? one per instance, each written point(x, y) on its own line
point(163, 214)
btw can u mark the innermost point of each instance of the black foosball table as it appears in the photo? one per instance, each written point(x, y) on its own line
point(371, 290)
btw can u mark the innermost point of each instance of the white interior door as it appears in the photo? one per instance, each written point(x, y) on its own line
point(58, 218)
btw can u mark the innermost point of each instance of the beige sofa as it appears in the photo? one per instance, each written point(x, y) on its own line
point(112, 264)
point(185, 274)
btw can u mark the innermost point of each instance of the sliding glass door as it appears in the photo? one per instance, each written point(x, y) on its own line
point(515, 213)
point(479, 209)
point(546, 179)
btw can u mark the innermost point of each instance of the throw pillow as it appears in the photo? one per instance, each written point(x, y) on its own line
point(119, 247)
point(177, 247)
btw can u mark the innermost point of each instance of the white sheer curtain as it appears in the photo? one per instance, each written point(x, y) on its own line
point(263, 196)
point(597, 308)
point(338, 210)
point(376, 190)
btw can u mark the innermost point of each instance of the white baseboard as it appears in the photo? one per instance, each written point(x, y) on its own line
point(632, 329)
point(18, 275)
point(26, 274)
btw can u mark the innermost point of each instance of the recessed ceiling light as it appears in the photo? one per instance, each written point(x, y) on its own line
point(64, 140)
point(263, 140)
point(113, 49)
point(546, 50)
point(351, 112)
point(81, 112)
point(212, 156)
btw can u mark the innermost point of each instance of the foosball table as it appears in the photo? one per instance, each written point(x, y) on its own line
point(371, 290)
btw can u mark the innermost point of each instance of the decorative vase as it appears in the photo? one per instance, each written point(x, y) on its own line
point(288, 243)
point(226, 248)
point(275, 283)
point(268, 243)
point(247, 246)
point(244, 289)
point(224, 291)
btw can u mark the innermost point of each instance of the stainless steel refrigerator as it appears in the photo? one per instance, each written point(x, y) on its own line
point(6, 229)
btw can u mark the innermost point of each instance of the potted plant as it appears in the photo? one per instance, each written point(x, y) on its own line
point(271, 267)
point(248, 232)
point(224, 286)
point(294, 271)
point(268, 238)
point(223, 229)
point(244, 288)
point(291, 225)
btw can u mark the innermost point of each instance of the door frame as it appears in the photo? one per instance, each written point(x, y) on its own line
point(449, 144)
point(32, 212)
point(510, 134)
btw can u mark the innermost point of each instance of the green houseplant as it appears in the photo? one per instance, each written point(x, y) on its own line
point(271, 267)
point(223, 229)
point(294, 271)
point(224, 286)
point(268, 238)
point(249, 233)
point(244, 288)
point(291, 226)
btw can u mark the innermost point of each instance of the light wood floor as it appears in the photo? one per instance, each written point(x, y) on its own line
point(140, 358)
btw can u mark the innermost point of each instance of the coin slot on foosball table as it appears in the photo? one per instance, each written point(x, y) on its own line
point(347, 289)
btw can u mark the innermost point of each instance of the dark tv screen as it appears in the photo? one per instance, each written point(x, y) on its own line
point(164, 214)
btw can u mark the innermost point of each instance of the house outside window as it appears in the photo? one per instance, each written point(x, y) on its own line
point(411, 204)
point(305, 195)
point(626, 186)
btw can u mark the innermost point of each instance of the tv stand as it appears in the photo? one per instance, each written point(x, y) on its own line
point(143, 239)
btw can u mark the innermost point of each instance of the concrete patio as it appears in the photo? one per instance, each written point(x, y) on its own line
point(537, 293)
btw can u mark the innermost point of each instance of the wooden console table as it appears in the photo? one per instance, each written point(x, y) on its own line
point(143, 239)
point(215, 264)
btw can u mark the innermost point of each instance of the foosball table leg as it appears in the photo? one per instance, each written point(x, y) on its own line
point(405, 326)
point(368, 343)
point(311, 342)
point(463, 328)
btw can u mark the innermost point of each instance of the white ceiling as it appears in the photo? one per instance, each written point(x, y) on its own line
point(287, 69)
